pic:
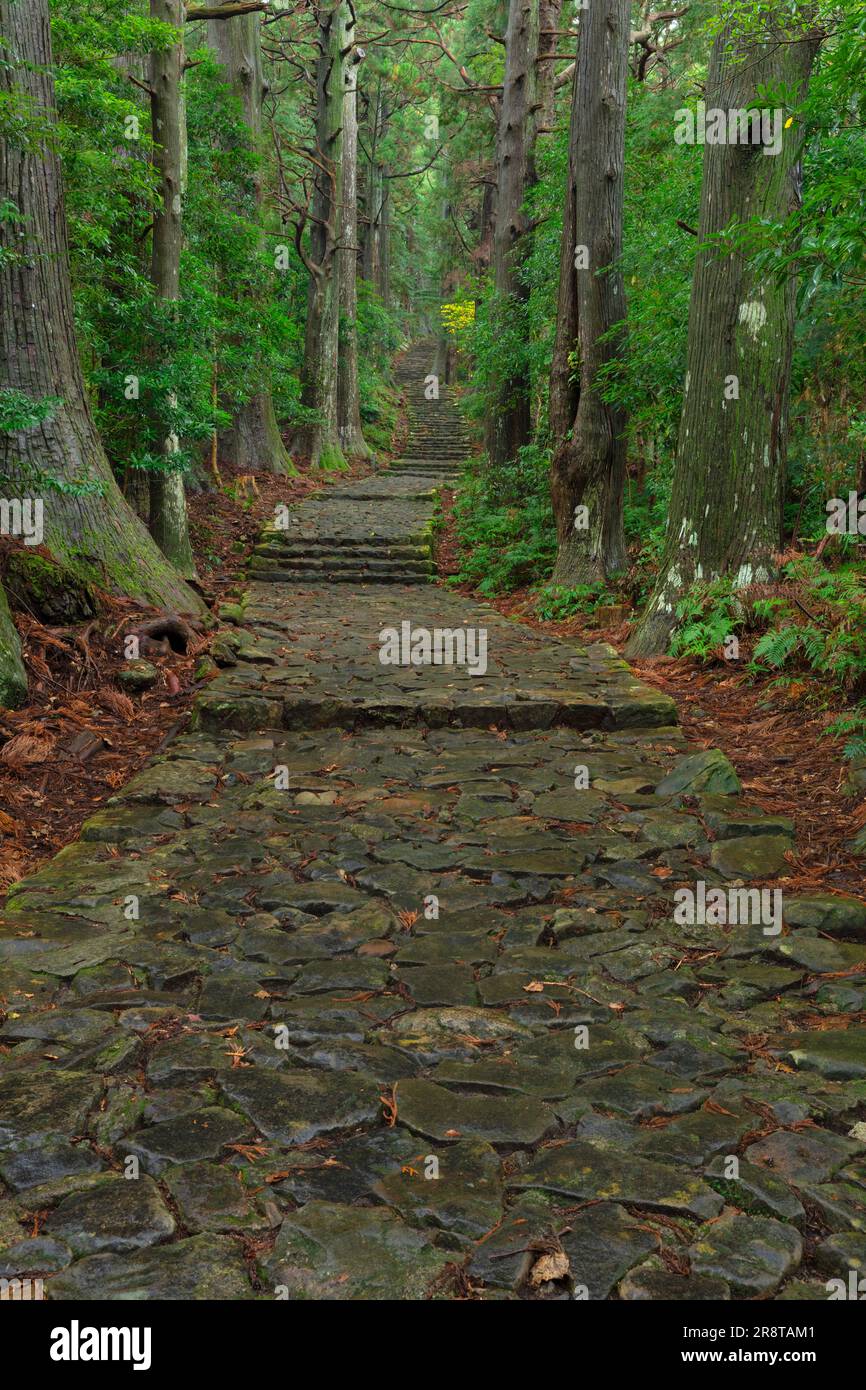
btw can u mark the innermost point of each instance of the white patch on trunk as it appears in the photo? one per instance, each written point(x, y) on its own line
point(753, 316)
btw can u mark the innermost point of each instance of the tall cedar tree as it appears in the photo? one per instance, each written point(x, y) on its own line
point(508, 428)
point(725, 516)
point(588, 468)
point(252, 443)
point(321, 346)
point(168, 511)
point(352, 440)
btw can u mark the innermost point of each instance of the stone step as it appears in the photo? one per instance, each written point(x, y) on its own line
point(357, 575)
point(337, 563)
point(403, 554)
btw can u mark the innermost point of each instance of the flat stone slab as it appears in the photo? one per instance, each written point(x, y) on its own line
point(119, 1215)
point(585, 1172)
point(294, 1106)
point(438, 1113)
point(207, 1268)
point(524, 680)
point(333, 1252)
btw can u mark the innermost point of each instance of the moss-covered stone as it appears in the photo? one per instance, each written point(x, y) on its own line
point(13, 677)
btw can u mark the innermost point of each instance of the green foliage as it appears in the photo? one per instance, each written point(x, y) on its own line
point(824, 632)
point(555, 603)
point(707, 614)
point(504, 524)
point(19, 412)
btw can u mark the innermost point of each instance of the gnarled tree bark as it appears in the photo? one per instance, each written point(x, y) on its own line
point(13, 677)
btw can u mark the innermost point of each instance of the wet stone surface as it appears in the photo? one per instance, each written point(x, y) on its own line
point(373, 985)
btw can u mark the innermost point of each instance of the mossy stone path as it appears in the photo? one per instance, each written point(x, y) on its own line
point(373, 984)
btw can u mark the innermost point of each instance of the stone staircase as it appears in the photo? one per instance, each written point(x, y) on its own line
point(437, 444)
point(379, 530)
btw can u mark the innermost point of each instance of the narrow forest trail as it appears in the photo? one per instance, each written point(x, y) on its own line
point(371, 986)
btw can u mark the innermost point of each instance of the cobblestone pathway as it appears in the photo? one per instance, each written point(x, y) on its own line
point(374, 985)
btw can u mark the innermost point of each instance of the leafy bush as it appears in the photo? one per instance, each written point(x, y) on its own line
point(505, 523)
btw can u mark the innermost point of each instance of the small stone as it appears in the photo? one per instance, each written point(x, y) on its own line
point(118, 1215)
point(841, 1253)
point(834, 914)
point(192, 1136)
point(708, 772)
point(33, 1105)
point(603, 1243)
point(752, 1254)
point(587, 1172)
point(137, 674)
point(457, 1190)
point(839, 1055)
point(750, 856)
point(755, 1190)
point(211, 1198)
point(810, 1155)
point(55, 1158)
point(652, 1282)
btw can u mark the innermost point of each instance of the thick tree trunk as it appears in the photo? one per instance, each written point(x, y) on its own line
point(588, 471)
point(13, 677)
point(383, 281)
point(321, 347)
point(168, 514)
point(352, 440)
point(564, 393)
point(95, 534)
point(486, 225)
point(549, 12)
point(725, 516)
point(252, 444)
point(375, 262)
point(508, 427)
